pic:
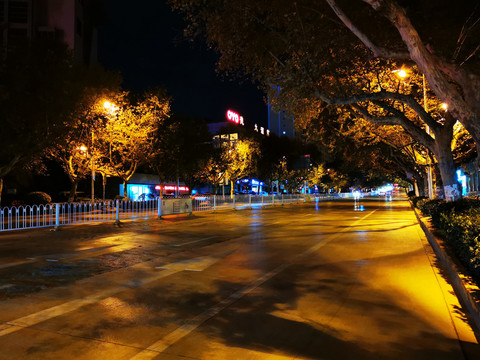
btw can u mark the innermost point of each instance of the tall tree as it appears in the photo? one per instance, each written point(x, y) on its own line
point(39, 85)
point(128, 134)
point(75, 150)
point(212, 170)
point(182, 148)
point(314, 50)
point(240, 158)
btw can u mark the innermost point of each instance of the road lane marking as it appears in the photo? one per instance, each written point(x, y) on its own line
point(160, 346)
point(189, 326)
point(195, 241)
point(82, 254)
point(198, 264)
point(334, 236)
point(16, 263)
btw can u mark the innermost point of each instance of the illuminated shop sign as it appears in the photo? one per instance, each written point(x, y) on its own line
point(171, 187)
point(235, 117)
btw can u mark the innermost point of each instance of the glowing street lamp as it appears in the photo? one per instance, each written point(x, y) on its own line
point(107, 105)
point(112, 110)
point(401, 73)
point(444, 106)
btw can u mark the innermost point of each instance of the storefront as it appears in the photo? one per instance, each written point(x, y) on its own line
point(146, 186)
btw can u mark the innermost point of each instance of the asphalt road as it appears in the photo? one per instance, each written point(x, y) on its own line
point(339, 280)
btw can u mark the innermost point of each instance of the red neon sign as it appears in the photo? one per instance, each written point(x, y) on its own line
point(171, 187)
point(234, 117)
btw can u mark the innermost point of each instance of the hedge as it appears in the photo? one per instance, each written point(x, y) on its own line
point(459, 222)
point(37, 198)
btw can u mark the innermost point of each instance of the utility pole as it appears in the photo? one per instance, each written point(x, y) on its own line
point(93, 167)
point(429, 165)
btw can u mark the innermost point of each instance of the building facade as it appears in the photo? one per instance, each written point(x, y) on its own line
point(468, 176)
point(62, 19)
point(280, 123)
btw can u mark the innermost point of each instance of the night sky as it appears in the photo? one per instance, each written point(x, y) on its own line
point(146, 44)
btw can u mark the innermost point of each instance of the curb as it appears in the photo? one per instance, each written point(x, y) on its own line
point(457, 282)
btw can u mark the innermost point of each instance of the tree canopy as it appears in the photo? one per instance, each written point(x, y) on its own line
point(330, 52)
point(40, 87)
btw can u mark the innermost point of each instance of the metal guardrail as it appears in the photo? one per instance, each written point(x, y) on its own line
point(58, 214)
point(220, 202)
point(55, 215)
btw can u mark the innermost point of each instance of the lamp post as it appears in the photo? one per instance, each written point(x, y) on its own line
point(93, 165)
point(111, 109)
point(84, 150)
point(429, 165)
point(402, 73)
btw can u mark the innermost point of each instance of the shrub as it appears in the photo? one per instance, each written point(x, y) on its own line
point(411, 194)
point(37, 198)
point(429, 207)
point(416, 199)
point(18, 203)
point(460, 223)
point(120, 197)
point(462, 234)
point(458, 206)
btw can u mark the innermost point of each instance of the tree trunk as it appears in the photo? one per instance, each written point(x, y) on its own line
point(104, 184)
point(1, 190)
point(124, 188)
point(73, 190)
point(442, 150)
point(447, 169)
point(465, 111)
point(415, 187)
point(231, 188)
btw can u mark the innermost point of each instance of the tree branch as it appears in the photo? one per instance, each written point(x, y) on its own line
point(425, 60)
point(383, 95)
point(468, 57)
point(411, 128)
point(379, 120)
point(7, 168)
point(375, 49)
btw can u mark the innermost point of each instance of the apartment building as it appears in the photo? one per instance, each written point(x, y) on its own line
point(63, 19)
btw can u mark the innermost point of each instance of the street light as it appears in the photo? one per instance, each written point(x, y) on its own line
point(403, 73)
point(110, 107)
point(112, 110)
point(107, 104)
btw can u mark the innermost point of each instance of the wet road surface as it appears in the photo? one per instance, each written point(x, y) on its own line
point(330, 280)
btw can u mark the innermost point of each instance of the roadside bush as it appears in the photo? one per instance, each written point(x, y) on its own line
point(411, 194)
point(18, 203)
point(431, 207)
point(458, 207)
point(416, 199)
point(459, 222)
point(120, 197)
point(37, 198)
point(435, 208)
point(462, 234)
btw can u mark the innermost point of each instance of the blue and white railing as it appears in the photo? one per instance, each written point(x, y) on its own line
point(59, 214)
